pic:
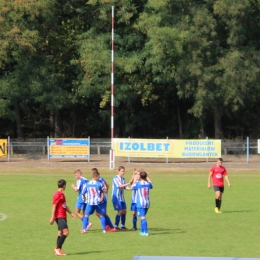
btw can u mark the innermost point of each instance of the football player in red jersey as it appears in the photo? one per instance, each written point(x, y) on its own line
point(59, 214)
point(217, 174)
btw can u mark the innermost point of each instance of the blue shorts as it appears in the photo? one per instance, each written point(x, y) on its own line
point(90, 209)
point(141, 212)
point(102, 208)
point(133, 207)
point(104, 204)
point(80, 205)
point(119, 205)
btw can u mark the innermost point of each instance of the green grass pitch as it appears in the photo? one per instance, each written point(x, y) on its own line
point(181, 219)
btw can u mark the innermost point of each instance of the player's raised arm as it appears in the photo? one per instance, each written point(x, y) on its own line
point(133, 176)
point(74, 187)
point(148, 178)
point(123, 185)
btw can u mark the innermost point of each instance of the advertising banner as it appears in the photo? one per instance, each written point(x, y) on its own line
point(197, 148)
point(69, 148)
point(142, 147)
point(160, 148)
point(3, 147)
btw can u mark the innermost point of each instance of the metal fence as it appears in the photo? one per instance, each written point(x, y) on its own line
point(37, 148)
point(238, 148)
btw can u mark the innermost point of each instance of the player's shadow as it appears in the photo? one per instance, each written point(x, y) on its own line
point(235, 211)
point(161, 231)
point(85, 253)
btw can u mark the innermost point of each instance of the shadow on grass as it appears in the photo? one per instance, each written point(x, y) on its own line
point(161, 231)
point(156, 231)
point(235, 211)
point(86, 253)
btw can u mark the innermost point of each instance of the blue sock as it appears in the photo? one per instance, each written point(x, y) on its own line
point(123, 220)
point(108, 221)
point(134, 221)
point(145, 226)
point(117, 220)
point(142, 228)
point(85, 222)
point(103, 222)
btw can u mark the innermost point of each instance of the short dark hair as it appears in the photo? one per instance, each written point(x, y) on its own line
point(61, 183)
point(94, 170)
point(121, 167)
point(143, 175)
point(220, 159)
point(95, 174)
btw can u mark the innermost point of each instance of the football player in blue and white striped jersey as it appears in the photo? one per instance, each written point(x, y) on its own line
point(118, 186)
point(142, 188)
point(94, 193)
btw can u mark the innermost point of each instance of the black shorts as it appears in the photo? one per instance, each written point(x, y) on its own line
point(217, 188)
point(62, 223)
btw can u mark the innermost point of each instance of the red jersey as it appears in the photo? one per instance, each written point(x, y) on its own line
point(218, 175)
point(60, 201)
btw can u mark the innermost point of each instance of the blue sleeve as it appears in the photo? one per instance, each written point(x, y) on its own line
point(134, 187)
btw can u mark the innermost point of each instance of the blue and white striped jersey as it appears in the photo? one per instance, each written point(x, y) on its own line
point(102, 180)
point(92, 191)
point(142, 189)
point(118, 193)
point(134, 195)
point(80, 186)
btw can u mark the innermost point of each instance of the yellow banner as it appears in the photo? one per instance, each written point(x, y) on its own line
point(66, 150)
point(3, 147)
point(197, 148)
point(159, 148)
point(69, 148)
point(142, 147)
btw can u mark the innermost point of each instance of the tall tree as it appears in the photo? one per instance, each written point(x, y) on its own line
point(95, 61)
point(22, 67)
point(144, 67)
point(220, 62)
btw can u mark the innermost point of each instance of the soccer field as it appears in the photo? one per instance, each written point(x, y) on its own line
point(181, 219)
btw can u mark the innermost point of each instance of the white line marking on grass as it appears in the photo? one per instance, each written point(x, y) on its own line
point(2, 217)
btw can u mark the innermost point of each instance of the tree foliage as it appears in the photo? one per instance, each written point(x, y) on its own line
point(183, 68)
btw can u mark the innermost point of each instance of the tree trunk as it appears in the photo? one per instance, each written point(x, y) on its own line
point(202, 132)
point(217, 124)
point(19, 130)
point(51, 118)
point(179, 119)
point(74, 123)
point(57, 124)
